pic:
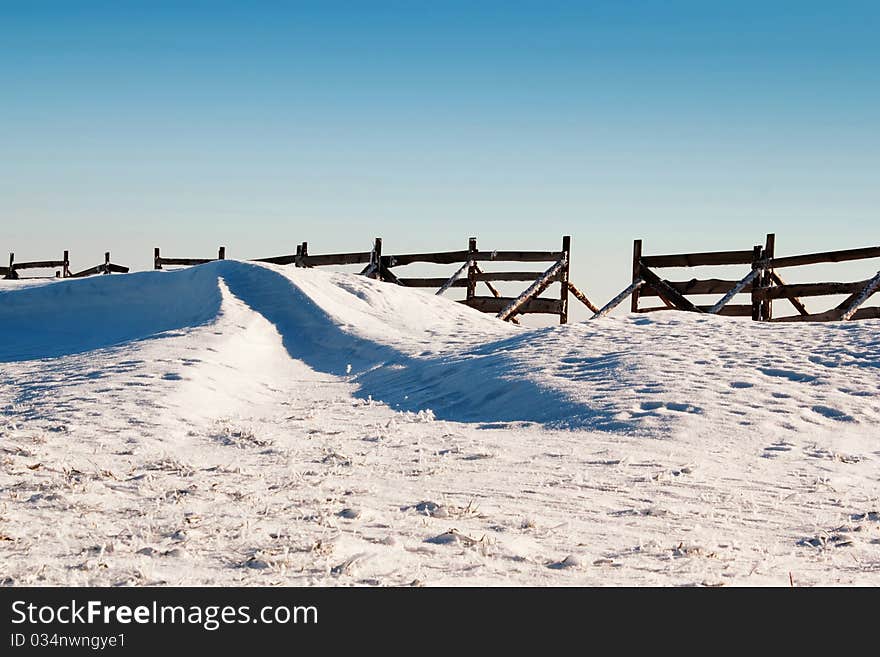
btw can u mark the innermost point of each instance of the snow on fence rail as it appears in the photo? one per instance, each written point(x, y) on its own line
point(850, 308)
point(762, 282)
point(674, 294)
point(12, 271)
point(468, 275)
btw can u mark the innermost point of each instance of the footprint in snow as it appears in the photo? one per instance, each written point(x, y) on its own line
point(772, 451)
point(833, 414)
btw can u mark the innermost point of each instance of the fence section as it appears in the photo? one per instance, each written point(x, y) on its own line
point(674, 294)
point(851, 307)
point(468, 275)
point(11, 272)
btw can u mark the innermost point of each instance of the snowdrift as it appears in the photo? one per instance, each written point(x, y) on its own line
point(415, 351)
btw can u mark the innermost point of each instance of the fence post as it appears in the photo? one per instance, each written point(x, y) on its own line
point(297, 259)
point(304, 252)
point(11, 272)
point(766, 280)
point(376, 260)
point(221, 254)
point(106, 263)
point(472, 270)
point(563, 279)
point(636, 274)
point(157, 261)
point(757, 256)
point(65, 268)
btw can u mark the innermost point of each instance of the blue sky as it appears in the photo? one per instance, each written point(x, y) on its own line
point(693, 125)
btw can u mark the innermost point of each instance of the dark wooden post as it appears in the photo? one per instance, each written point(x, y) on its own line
point(766, 278)
point(297, 259)
point(376, 260)
point(563, 280)
point(636, 273)
point(472, 270)
point(65, 268)
point(11, 271)
point(107, 263)
point(304, 253)
point(757, 255)
point(221, 254)
point(157, 261)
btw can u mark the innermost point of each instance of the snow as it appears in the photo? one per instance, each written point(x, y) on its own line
point(244, 424)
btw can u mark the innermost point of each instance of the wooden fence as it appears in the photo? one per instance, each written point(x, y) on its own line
point(761, 281)
point(858, 292)
point(12, 271)
point(468, 275)
point(758, 277)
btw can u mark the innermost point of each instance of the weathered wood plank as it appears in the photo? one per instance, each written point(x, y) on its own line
point(385, 274)
point(455, 279)
point(831, 316)
point(580, 296)
point(472, 269)
point(730, 310)
point(497, 295)
point(698, 259)
point(796, 302)
point(376, 270)
point(872, 286)
point(40, 264)
point(91, 271)
point(667, 292)
point(189, 262)
point(336, 259)
point(826, 256)
point(519, 256)
point(452, 257)
point(765, 280)
point(535, 289)
point(783, 291)
point(278, 260)
point(696, 286)
point(538, 305)
point(746, 281)
point(510, 275)
point(563, 278)
point(757, 307)
point(636, 274)
point(478, 277)
point(444, 258)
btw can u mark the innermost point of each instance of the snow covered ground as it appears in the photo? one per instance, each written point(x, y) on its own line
point(239, 424)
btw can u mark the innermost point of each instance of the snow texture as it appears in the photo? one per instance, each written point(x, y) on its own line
point(244, 424)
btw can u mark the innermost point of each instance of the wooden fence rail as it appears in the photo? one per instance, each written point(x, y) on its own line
point(674, 294)
point(849, 309)
point(11, 272)
point(762, 282)
point(468, 275)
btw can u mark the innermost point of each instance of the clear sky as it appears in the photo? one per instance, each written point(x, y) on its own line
point(694, 125)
